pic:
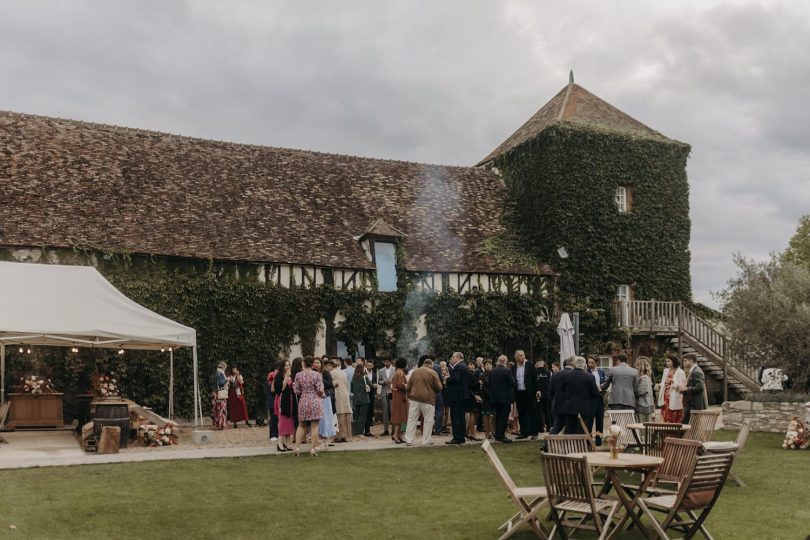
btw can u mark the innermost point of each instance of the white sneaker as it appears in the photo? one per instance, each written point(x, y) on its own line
point(273, 439)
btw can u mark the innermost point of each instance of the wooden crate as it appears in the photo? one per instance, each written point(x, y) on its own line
point(35, 410)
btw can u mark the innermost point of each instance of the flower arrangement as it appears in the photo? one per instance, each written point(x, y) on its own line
point(35, 385)
point(154, 435)
point(106, 386)
point(796, 436)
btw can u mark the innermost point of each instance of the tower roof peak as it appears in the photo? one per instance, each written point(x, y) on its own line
point(576, 105)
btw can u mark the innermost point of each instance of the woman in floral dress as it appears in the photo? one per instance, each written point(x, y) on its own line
point(669, 398)
point(218, 404)
point(308, 386)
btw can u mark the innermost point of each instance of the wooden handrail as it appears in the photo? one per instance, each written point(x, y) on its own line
point(668, 316)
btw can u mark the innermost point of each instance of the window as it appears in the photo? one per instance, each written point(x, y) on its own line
point(623, 293)
point(621, 199)
point(385, 257)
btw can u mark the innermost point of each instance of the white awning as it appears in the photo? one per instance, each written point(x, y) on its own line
point(74, 306)
point(49, 304)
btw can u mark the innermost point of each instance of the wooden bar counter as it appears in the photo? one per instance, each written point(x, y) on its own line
point(35, 410)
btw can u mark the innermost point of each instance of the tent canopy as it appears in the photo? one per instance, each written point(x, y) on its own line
point(57, 305)
point(48, 304)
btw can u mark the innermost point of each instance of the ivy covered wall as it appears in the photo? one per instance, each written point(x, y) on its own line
point(249, 324)
point(563, 186)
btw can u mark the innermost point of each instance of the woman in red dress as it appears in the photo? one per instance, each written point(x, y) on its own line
point(237, 408)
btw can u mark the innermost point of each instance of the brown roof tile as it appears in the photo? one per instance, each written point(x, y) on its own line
point(575, 105)
point(65, 183)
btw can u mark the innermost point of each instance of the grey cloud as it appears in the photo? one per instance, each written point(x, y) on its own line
point(445, 82)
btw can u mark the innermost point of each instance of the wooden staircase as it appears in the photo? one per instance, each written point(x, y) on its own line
point(690, 333)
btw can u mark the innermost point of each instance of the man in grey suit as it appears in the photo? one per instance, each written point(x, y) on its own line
point(623, 383)
point(694, 393)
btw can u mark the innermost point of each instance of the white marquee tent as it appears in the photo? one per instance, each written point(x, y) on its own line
point(74, 306)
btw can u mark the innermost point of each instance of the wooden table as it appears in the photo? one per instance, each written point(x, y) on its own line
point(639, 426)
point(625, 462)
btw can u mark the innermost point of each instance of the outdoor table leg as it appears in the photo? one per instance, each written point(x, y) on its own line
point(629, 505)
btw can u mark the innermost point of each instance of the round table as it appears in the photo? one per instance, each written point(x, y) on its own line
point(638, 427)
point(632, 462)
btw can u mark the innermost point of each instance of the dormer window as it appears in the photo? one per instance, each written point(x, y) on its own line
point(624, 199)
point(385, 258)
point(380, 242)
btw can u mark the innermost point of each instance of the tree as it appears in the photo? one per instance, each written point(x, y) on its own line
point(798, 250)
point(767, 309)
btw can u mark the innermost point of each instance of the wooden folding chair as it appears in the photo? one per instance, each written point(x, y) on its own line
point(654, 435)
point(568, 480)
point(701, 425)
point(699, 491)
point(717, 447)
point(623, 418)
point(586, 430)
point(568, 444)
point(528, 500)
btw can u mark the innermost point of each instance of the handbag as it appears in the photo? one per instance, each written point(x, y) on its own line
point(222, 394)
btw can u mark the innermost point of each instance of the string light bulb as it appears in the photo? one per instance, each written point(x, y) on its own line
point(28, 351)
point(21, 349)
point(120, 351)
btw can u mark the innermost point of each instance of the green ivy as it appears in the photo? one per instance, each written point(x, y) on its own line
point(249, 323)
point(562, 184)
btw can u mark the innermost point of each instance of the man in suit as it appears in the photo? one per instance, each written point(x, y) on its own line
point(457, 394)
point(556, 397)
point(371, 381)
point(694, 393)
point(526, 395)
point(623, 383)
point(543, 405)
point(598, 403)
point(439, 406)
point(384, 377)
point(577, 390)
point(502, 387)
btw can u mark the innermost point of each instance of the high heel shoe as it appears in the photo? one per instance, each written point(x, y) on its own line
point(287, 448)
point(280, 449)
point(296, 451)
point(396, 441)
point(313, 452)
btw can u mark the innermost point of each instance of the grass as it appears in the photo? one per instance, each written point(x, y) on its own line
point(419, 493)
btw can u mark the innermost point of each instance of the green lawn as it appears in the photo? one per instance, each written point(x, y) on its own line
point(419, 493)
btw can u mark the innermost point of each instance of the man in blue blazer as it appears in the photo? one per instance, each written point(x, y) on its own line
point(457, 395)
point(577, 391)
point(556, 397)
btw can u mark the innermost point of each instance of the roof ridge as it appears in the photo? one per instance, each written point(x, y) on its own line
point(142, 131)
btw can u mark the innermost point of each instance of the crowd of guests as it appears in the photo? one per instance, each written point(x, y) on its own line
point(331, 400)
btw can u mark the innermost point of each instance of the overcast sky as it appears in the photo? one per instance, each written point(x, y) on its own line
point(446, 82)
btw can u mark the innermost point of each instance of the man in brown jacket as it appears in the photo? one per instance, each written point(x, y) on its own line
point(422, 388)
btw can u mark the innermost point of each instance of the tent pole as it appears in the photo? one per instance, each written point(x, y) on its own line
point(171, 383)
point(2, 373)
point(197, 405)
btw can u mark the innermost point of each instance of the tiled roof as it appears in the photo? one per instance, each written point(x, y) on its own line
point(575, 105)
point(66, 183)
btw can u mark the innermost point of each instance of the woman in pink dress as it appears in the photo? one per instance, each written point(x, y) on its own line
point(237, 408)
point(308, 385)
point(284, 407)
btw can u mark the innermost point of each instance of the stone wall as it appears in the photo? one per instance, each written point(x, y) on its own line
point(764, 416)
